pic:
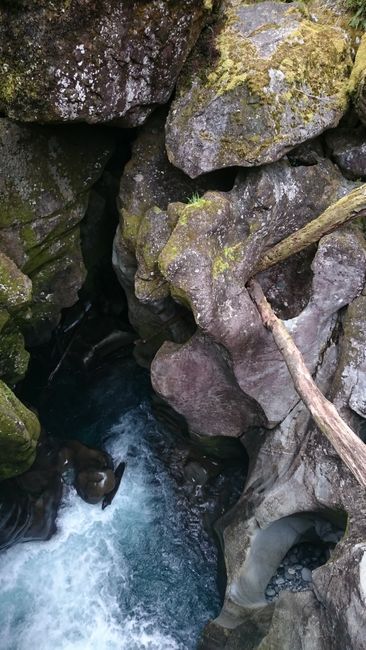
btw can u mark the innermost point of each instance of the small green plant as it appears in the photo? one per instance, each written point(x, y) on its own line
point(358, 7)
point(194, 198)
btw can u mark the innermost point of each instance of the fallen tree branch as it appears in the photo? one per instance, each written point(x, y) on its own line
point(348, 446)
point(351, 206)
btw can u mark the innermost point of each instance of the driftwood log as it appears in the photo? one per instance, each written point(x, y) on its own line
point(348, 446)
point(351, 206)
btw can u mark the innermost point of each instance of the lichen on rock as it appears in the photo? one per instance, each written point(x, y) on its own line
point(93, 62)
point(278, 76)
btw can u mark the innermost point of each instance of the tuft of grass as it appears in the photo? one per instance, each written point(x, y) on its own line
point(195, 198)
point(358, 7)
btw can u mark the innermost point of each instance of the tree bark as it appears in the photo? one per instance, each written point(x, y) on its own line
point(348, 446)
point(351, 206)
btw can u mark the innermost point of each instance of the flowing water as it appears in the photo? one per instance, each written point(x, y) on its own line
point(139, 575)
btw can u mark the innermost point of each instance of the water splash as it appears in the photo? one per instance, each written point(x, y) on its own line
point(140, 575)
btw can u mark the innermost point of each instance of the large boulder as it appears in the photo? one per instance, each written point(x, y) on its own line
point(93, 61)
point(47, 175)
point(268, 76)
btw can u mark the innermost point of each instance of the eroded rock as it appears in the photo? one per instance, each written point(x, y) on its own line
point(148, 185)
point(211, 253)
point(266, 78)
point(297, 487)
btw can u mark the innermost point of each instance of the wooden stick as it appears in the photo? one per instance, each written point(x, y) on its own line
point(351, 206)
point(348, 446)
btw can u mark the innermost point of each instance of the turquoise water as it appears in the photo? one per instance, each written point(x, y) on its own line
point(139, 575)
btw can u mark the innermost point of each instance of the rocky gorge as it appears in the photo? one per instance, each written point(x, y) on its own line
point(152, 154)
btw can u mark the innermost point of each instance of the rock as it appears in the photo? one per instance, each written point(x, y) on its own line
point(15, 287)
point(270, 592)
point(15, 294)
point(19, 432)
point(93, 62)
point(306, 575)
point(298, 489)
point(266, 78)
point(47, 176)
point(357, 85)
point(93, 485)
point(348, 149)
point(212, 250)
point(197, 382)
point(149, 183)
point(29, 503)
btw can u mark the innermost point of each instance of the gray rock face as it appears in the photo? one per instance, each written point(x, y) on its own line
point(183, 374)
point(93, 61)
point(348, 149)
point(47, 174)
point(298, 489)
point(210, 254)
point(267, 78)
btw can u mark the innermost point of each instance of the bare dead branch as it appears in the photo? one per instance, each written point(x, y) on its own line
point(348, 446)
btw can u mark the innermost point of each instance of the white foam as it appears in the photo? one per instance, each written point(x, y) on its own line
point(95, 585)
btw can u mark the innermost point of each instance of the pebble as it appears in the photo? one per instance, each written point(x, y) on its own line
point(295, 571)
point(306, 575)
point(270, 592)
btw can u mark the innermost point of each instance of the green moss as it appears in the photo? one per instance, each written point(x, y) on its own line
point(19, 432)
point(229, 257)
point(130, 224)
point(272, 94)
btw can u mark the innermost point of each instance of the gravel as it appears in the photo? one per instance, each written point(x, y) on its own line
point(295, 571)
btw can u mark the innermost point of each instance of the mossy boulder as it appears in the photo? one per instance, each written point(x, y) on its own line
point(150, 183)
point(93, 61)
point(267, 77)
point(19, 432)
point(47, 175)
